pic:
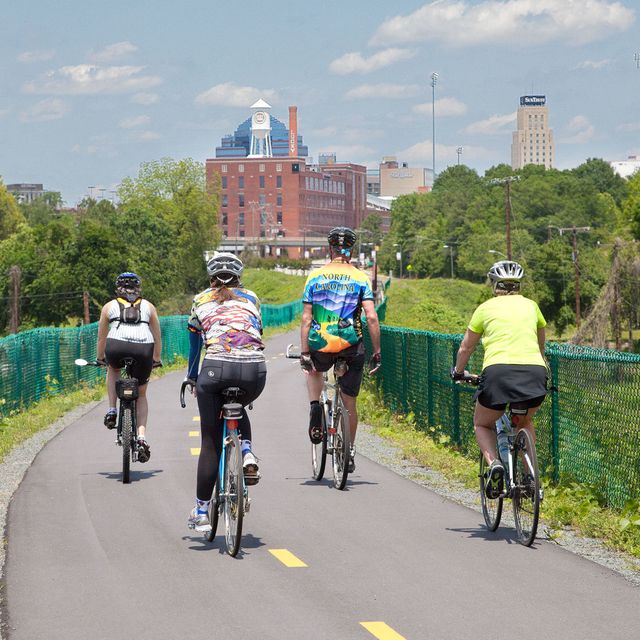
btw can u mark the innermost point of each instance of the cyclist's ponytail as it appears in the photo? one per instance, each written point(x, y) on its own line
point(223, 291)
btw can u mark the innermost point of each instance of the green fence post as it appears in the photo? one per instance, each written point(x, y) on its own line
point(430, 380)
point(455, 404)
point(405, 381)
point(555, 418)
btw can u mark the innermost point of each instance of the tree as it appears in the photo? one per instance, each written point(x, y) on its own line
point(10, 215)
point(42, 209)
point(602, 176)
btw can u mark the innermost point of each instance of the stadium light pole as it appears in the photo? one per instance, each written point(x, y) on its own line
point(434, 80)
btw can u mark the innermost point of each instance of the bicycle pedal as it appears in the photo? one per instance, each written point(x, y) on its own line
point(247, 505)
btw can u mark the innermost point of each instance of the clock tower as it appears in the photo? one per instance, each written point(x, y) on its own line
point(261, 130)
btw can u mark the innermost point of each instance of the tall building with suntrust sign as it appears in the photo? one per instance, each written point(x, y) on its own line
point(532, 143)
point(272, 198)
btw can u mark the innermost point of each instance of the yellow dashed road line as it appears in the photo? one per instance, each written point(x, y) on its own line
point(194, 434)
point(195, 451)
point(196, 418)
point(382, 631)
point(287, 558)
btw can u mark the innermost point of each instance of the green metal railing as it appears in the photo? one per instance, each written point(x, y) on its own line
point(588, 428)
point(38, 363)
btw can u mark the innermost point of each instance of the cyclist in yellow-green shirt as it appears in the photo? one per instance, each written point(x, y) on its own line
point(514, 370)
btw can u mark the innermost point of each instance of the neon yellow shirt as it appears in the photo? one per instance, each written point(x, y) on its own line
point(509, 327)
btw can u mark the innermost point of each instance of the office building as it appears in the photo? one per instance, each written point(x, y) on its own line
point(26, 193)
point(532, 143)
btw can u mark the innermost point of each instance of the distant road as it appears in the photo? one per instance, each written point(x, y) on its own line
point(91, 559)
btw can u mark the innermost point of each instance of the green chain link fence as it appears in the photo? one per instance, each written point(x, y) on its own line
point(38, 363)
point(588, 428)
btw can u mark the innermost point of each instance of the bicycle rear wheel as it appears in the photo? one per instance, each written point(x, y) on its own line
point(526, 490)
point(341, 446)
point(214, 512)
point(233, 495)
point(319, 451)
point(125, 439)
point(491, 509)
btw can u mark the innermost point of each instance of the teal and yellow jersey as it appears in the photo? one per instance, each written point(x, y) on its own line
point(336, 292)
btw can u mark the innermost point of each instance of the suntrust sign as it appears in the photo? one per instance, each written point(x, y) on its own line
point(401, 174)
point(533, 101)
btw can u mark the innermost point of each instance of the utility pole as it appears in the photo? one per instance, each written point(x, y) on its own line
point(507, 206)
point(14, 305)
point(574, 232)
point(85, 304)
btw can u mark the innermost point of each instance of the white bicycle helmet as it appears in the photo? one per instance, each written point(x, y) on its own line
point(225, 267)
point(505, 270)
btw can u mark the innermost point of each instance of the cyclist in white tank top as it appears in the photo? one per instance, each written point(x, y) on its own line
point(129, 328)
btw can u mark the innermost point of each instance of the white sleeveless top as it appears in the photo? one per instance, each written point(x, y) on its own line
point(139, 333)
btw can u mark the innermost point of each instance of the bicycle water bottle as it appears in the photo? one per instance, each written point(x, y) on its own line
point(503, 431)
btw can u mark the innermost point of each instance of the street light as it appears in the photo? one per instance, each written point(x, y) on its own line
point(450, 247)
point(499, 253)
point(399, 256)
point(434, 80)
point(459, 152)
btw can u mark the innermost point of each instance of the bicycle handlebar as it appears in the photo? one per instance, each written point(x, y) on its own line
point(183, 386)
point(81, 362)
point(469, 378)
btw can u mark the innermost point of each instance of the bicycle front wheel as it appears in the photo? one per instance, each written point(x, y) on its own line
point(526, 490)
point(491, 509)
point(233, 494)
point(214, 512)
point(319, 451)
point(341, 447)
point(126, 434)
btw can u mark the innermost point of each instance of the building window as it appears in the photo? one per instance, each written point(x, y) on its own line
point(279, 200)
point(225, 199)
point(279, 182)
point(224, 168)
point(263, 199)
point(241, 168)
point(261, 167)
point(224, 182)
point(240, 182)
point(241, 199)
point(279, 217)
point(262, 182)
point(224, 218)
point(242, 233)
point(241, 217)
point(279, 166)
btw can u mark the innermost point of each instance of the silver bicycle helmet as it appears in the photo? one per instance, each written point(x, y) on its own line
point(225, 267)
point(505, 270)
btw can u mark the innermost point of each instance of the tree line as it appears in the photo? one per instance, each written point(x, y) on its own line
point(164, 220)
point(467, 212)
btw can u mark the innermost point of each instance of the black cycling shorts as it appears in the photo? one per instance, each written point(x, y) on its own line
point(141, 352)
point(503, 384)
point(350, 382)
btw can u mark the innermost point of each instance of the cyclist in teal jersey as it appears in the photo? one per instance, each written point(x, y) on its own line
point(514, 370)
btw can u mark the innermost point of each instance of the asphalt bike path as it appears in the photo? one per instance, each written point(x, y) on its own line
point(89, 557)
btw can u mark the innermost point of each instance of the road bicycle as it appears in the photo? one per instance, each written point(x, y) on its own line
point(336, 430)
point(230, 495)
point(517, 452)
point(127, 391)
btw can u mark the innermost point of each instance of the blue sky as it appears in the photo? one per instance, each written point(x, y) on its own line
point(90, 90)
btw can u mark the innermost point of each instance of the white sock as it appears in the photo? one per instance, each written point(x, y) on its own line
point(202, 506)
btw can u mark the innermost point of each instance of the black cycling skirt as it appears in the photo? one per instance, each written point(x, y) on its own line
point(502, 384)
point(141, 352)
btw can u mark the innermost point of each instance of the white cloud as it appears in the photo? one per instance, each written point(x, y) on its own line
point(113, 52)
point(230, 94)
point(45, 110)
point(144, 98)
point(460, 23)
point(147, 136)
point(421, 154)
point(582, 130)
point(134, 121)
point(325, 132)
point(492, 126)
point(629, 127)
point(355, 63)
point(595, 64)
point(90, 79)
point(444, 107)
point(36, 56)
point(391, 91)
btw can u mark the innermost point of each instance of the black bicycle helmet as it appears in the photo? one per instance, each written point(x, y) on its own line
point(225, 267)
point(128, 285)
point(342, 238)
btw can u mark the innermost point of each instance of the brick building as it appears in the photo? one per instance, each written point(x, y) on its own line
point(280, 202)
